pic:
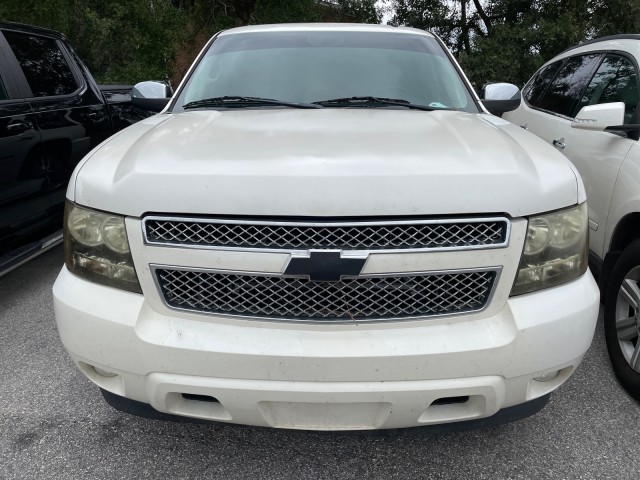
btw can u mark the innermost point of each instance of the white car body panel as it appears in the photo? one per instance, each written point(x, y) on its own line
point(333, 162)
point(394, 370)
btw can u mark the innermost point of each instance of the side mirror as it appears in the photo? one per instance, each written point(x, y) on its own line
point(606, 117)
point(500, 91)
point(599, 117)
point(500, 98)
point(151, 95)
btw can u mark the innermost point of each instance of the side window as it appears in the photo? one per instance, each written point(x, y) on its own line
point(43, 64)
point(615, 81)
point(539, 83)
point(565, 91)
point(3, 91)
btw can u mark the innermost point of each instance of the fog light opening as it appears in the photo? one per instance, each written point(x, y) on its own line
point(547, 382)
point(547, 377)
point(105, 379)
point(104, 373)
point(450, 400)
point(195, 405)
point(199, 398)
point(454, 409)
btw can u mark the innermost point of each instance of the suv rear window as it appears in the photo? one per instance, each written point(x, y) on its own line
point(615, 81)
point(565, 91)
point(43, 64)
point(535, 89)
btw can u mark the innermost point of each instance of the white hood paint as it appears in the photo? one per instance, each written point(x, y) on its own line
point(325, 162)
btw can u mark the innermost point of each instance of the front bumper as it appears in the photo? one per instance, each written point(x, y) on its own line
point(326, 377)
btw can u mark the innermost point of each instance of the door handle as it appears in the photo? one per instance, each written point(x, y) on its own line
point(559, 143)
point(19, 126)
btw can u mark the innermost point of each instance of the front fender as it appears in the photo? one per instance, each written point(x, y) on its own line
point(626, 197)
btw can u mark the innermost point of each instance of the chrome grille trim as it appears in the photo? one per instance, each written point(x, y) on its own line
point(353, 236)
point(370, 298)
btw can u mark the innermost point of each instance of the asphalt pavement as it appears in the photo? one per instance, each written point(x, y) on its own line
point(54, 424)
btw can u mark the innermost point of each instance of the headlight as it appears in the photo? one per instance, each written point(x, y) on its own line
point(96, 248)
point(555, 250)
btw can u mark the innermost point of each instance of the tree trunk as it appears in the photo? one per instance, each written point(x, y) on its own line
point(464, 26)
point(483, 15)
point(243, 9)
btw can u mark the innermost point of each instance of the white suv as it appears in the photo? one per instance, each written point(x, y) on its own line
point(585, 103)
point(325, 230)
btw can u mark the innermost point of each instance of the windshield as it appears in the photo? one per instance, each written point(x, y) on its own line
point(313, 66)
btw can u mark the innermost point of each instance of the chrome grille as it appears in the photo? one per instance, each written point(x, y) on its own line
point(351, 299)
point(428, 234)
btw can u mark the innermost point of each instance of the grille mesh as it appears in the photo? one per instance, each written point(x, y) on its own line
point(301, 236)
point(351, 299)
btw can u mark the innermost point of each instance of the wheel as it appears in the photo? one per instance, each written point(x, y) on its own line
point(622, 319)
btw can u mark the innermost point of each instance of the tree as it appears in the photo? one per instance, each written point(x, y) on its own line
point(522, 36)
point(286, 11)
point(509, 39)
point(121, 41)
point(360, 11)
point(433, 15)
point(614, 16)
point(132, 40)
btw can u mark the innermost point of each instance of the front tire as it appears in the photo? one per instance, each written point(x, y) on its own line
point(622, 319)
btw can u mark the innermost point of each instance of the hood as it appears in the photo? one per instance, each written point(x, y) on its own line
point(325, 163)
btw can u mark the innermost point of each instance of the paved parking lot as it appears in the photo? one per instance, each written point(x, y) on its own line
point(55, 425)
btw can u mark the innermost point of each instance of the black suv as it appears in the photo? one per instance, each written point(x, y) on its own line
point(52, 113)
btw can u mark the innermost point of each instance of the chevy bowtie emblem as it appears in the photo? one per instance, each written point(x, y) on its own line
point(325, 266)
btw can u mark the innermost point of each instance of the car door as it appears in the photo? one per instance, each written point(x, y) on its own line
point(71, 116)
point(598, 156)
point(23, 183)
point(548, 111)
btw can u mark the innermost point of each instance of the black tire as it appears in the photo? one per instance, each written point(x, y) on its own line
point(624, 346)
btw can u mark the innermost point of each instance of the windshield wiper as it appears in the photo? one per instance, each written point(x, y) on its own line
point(372, 102)
point(239, 101)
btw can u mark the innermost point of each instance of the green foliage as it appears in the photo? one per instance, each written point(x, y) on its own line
point(125, 41)
point(501, 56)
point(285, 11)
point(615, 16)
point(507, 40)
point(145, 36)
point(54, 14)
point(121, 41)
point(433, 15)
point(359, 11)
